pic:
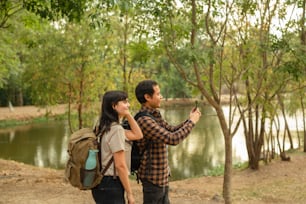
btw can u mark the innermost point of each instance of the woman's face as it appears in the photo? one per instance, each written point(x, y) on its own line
point(122, 108)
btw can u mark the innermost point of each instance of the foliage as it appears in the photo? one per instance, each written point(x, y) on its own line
point(247, 49)
point(69, 67)
point(253, 51)
point(56, 9)
point(14, 44)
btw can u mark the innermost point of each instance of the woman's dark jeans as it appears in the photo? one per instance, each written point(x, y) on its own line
point(109, 191)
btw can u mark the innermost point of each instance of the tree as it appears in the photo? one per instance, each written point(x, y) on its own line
point(14, 43)
point(8, 8)
point(214, 46)
point(68, 65)
point(11, 10)
point(303, 63)
point(295, 66)
point(56, 10)
point(201, 48)
point(195, 47)
point(264, 55)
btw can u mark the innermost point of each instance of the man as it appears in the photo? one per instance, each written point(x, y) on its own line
point(157, 134)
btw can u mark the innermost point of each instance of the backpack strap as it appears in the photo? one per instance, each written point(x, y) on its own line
point(99, 140)
point(148, 143)
point(107, 166)
point(114, 176)
point(143, 113)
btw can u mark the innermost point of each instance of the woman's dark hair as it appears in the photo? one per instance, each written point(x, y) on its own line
point(144, 87)
point(108, 114)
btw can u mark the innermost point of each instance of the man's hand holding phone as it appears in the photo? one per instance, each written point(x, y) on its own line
point(195, 114)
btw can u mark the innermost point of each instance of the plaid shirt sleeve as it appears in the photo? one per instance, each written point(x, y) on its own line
point(161, 132)
point(154, 166)
point(171, 128)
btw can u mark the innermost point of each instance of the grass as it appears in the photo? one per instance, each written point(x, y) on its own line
point(10, 123)
point(219, 170)
point(216, 171)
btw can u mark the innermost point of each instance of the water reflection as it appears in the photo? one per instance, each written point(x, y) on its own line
point(39, 144)
point(202, 150)
point(45, 144)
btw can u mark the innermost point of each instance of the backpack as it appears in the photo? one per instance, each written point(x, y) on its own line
point(136, 154)
point(83, 168)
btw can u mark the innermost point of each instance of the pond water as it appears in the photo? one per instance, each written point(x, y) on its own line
point(45, 144)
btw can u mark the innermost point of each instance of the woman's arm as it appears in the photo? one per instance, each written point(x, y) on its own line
point(135, 133)
point(122, 171)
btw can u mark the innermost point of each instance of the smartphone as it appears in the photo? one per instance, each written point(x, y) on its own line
point(196, 106)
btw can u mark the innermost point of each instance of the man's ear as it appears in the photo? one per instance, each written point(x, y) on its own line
point(147, 97)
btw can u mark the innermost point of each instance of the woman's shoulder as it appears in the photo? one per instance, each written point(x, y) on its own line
point(116, 126)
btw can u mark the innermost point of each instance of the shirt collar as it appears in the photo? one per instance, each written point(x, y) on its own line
point(153, 111)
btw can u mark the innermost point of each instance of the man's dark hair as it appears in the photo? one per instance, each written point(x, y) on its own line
point(144, 87)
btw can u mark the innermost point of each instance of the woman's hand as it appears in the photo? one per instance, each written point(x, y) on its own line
point(130, 198)
point(135, 133)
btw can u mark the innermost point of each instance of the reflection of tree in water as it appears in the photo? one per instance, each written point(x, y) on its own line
point(201, 151)
point(40, 145)
point(53, 147)
point(45, 144)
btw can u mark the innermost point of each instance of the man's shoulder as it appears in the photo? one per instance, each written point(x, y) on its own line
point(151, 111)
point(143, 113)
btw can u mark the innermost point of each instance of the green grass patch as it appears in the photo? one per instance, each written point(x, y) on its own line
point(219, 170)
point(216, 171)
point(241, 166)
point(10, 123)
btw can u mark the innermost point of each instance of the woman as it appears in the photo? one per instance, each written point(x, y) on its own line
point(115, 107)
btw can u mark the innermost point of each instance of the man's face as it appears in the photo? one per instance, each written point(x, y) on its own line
point(154, 100)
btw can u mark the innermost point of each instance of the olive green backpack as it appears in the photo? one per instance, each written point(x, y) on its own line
point(83, 168)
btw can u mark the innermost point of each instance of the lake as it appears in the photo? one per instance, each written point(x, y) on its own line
point(45, 144)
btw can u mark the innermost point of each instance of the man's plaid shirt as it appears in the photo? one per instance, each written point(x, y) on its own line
point(154, 165)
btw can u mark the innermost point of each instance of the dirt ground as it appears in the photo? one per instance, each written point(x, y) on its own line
point(29, 112)
point(278, 182)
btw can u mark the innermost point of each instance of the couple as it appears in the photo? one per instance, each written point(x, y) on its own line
point(154, 174)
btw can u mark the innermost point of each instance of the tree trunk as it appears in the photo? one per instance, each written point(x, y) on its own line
point(19, 97)
point(303, 42)
point(124, 53)
point(69, 108)
point(81, 93)
point(282, 106)
point(227, 179)
point(304, 123)
point(297, 129)
point(303, 31)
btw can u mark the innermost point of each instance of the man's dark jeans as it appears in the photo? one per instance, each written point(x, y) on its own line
point(153, 194)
